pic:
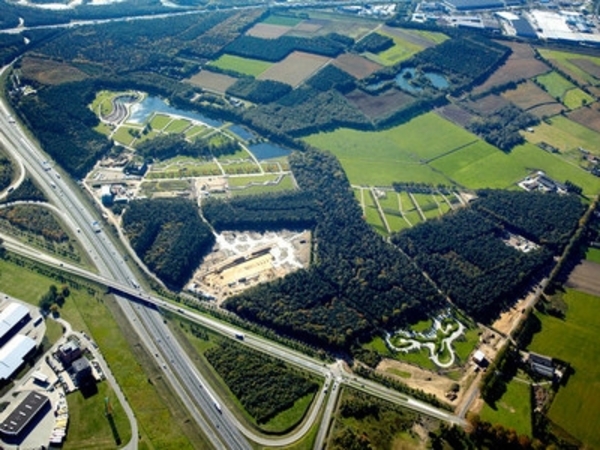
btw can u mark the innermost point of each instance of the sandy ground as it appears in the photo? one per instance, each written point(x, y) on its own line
point(508, 319)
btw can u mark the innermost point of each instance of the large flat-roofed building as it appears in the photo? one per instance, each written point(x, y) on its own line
point(23, 414)
point(13, 354)
point(473, 5)
point(12, 319)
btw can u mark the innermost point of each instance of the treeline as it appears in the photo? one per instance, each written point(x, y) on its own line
point(497, 376)
point(331, 77)
point(60, 118)
point(374, 43)
point(547, 219)
point(275, 50)
point(27, 191)
point(273, 211)
point(265, 386)
point(464, 254)
point(170, 145)
point(502, 127)
point(258, 91)
point(483, 435)
point(35, 219)
point(7, 171)
point(358, 284)
point(169, 237)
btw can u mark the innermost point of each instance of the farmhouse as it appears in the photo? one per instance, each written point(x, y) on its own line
point(543, 365)
point(541, 182)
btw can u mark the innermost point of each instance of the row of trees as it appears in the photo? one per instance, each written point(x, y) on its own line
point(265, 386)
point(275, 211)
point(358, 283)
point(169, 236)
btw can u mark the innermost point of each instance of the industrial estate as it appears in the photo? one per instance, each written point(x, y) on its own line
point(299, 225)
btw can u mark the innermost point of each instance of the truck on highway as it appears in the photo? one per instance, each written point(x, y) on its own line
point(239, 336)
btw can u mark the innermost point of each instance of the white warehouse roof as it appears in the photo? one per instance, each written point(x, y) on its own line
point(10, 316)
point(12, 354)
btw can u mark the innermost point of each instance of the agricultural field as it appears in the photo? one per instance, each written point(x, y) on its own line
point(483, 166)
point(322, 23)
point(380, 105)
point(588, 117)
point(295, 68)
point(285, 21)
point(488, 105)
point(555, 84)
point(400, 51)
point(528, 95)
point(513, 410)
point(587, 73)
point(268, 31)
point(245, 66)
point(576, 98)
point(50, 72)
point(520, 65)
point(575, 340)
point(212, 81)
point(593, 255)
point(565, 135)
point(356, 65)
point(421, 38)
point(456, 114)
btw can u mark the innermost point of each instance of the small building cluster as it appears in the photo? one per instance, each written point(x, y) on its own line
point(111, 194)
point(539, 181)
point(544, 366)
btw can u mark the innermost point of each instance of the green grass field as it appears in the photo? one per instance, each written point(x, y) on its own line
point(483, 166)
point(286, 184)
point(563, 59)
point(123, 136)
point(565, 135)
point(513, 410)
point(372, 214)
point(556, 85)
point(576, 98)
point(282, 20)
point(593, 254)
point(159, 121)
point(400, 51)
point(246, 66)
point(575, 340)
point(397, 154)
point(433, 36)
point(177, 126)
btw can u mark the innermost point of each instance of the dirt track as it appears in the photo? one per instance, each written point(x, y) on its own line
point(586, 278)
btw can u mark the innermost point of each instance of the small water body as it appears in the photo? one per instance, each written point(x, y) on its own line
point(268, 151)
point(141, 112)
point(438, 81)
point(241, 132)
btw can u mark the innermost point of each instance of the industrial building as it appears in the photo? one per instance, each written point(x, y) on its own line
point(13, 354)
point(82, 371)
point(23, 414)
point(12, 319)
point(69, 352)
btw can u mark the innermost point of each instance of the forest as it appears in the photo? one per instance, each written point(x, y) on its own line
point(274, 211)
point(258, 91)
point(374, 43)
point(358, 284)
point(265, 386)
point(502, 127)
point(169, 237)
point(7, 171)
point(464, 252)
point(35, 219)
point(330, 77)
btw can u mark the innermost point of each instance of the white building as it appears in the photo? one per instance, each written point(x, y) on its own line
point(13, 354)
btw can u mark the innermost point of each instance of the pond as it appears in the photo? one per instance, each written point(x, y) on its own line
point(403, 79)
point(241, 132)
point(141, 112)
point(268, 151)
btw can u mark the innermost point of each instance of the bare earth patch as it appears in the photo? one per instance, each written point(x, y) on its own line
point(588, 117)
point(455, 114)
point(488, 104)
point(268, 31)
point(212, 81)
point(295, 68)
point(356, 65)
point(528, 96)
point(547, 110)
point(48, 71)
point(520, 65)
point(587, 66)
point(586, 278)
point(380, 105)
point(406, 35)
point(310, 25)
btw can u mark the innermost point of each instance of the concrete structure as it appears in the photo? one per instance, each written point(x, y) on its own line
point(82, 371)
point(106, 195)
point(23, 414)
point(13, 354)
point(69, 352)
point(12, 319)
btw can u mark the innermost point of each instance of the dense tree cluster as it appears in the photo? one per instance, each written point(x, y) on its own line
point(358, 283)
point(170, 145)
point(330, 77)
point(275, 50)
point(10, 46)
point(262, 384)
point(35, 219)
point(548, 219)
point(275, 211)
point(502, 127)
point(62, 121)
point(374, 43)
point(53, 297)
point(482, 436)
point(259, 91)
point(465, 254)
point(27, 191)
point(7, 171)
point(169, 236)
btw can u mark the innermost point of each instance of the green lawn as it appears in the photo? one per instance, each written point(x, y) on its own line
point(593, 254)
point(246, 66)
point(576, 98)
point(397, 154)
point(563, 59)
point(372, 214)
point(282, 20)
point(123, 136)
point(513, 410)
point(483, 166)
point(159, 121)
point(556, 85)
point(177, 126)
point(565, 135)
point(575, 340)
point(400, 51)
point(286, 184)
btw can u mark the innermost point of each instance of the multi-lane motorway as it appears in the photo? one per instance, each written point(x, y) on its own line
point(220, 426)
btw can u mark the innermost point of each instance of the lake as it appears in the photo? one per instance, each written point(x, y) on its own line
point(141, 112)
point(268, 151)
